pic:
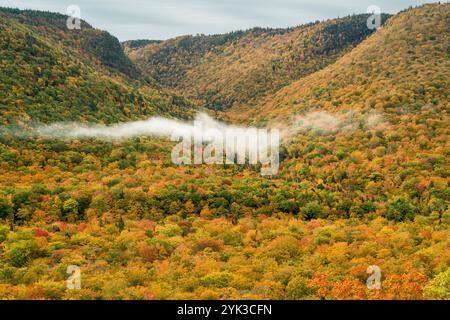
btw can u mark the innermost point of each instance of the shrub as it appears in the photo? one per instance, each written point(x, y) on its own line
point(439, 287)
point(20, 253)
point(217, 279)
point(297, 289)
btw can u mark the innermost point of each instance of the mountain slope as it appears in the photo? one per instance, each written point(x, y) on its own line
point(50, 73)
point(372, 189)
point(401, 68)
point(241, 67)
point(374, 126)
point(92, 43)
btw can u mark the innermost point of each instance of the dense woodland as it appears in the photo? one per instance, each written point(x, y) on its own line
point(371, 190)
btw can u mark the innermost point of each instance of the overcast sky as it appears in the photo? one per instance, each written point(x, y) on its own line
point(162, 19)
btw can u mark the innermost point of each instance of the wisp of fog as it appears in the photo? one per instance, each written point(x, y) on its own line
point(165, 128)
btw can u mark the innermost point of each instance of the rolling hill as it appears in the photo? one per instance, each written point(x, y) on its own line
point(50, 73)
point(239, 68)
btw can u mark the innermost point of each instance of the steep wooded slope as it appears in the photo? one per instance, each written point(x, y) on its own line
point(239, 68)
point(403, 67)
point(50, 73)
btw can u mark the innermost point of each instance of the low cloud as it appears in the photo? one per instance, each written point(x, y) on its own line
point(165, 128)
point(153, 127)
point(329, 122)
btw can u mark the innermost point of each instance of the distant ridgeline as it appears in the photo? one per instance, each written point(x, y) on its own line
point(136, 44)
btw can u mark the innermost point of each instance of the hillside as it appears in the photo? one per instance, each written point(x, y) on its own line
point(239, 68)
point(50, 73)
point(363, 180)
point(373, 128)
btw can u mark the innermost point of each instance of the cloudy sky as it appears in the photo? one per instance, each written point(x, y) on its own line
point(162, 19)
